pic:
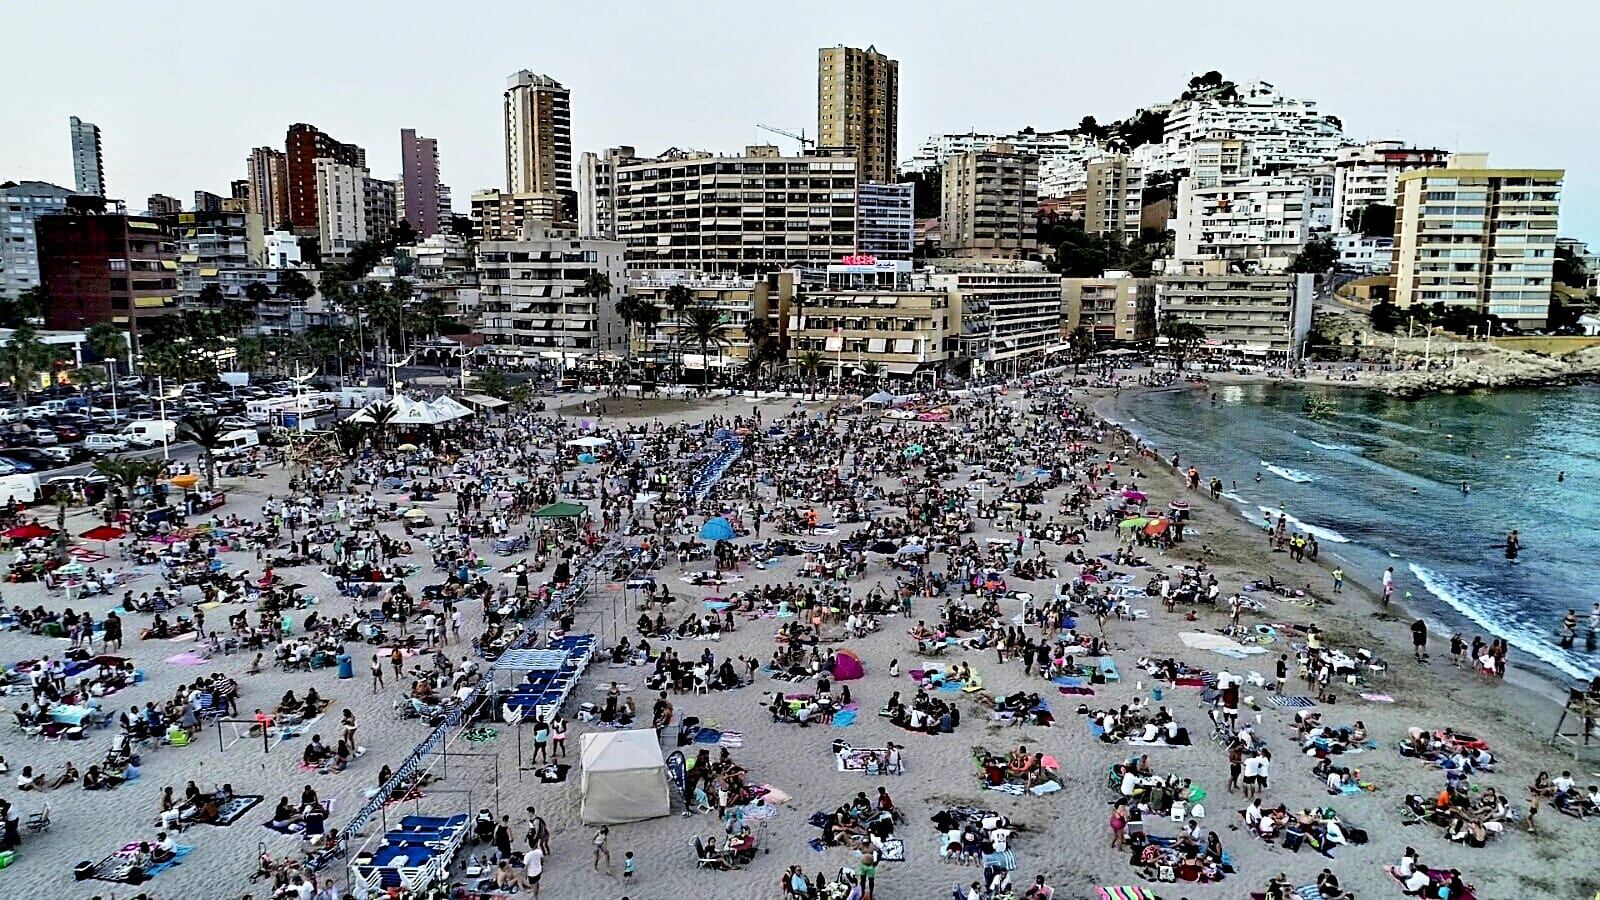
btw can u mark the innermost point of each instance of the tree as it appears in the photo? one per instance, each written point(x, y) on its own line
point(810, 363)
point(491, 381)
point(1317, 257)
point(1083, 343)
point(1183, 338)
point(206, 432)
point(1089, 128)
point(1386, 317)
point(425, 316)
point(678, 298)
point(87, 376)
point(32, 305)
point(705, 329)
point(872, 372)
point(1570, 269)
point(23, 358)
point(295, 285)
point(404, 234)
point(108, 342)
point(349, 436)
point(211, 296)
point(381, 415)
point(126, 472)
point(250, 354)
point(1372, 220)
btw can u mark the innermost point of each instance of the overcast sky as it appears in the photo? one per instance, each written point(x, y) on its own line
point(182, 91)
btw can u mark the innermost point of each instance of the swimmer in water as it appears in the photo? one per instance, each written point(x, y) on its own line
point(1258, 478)
point(1513, 545)
point(1466, 488)
point(1561, 476)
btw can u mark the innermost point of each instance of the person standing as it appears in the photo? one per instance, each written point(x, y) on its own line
point(377, 673)
point(113, 631)
point(1419, 639)
point(1388, 585)
point(541, 741)
point(601, 851)
point(558, 738)
point(1338, 580)
point(502, 837)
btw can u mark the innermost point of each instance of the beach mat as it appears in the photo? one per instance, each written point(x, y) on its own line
point(1280, 700)
point(232, 811)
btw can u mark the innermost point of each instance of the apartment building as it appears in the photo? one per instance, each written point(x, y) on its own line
point(205, 201)
point(1063, 155)
point(1284, 132)
point(1244, 315)
point(538, 129)
point(379, 207)
point(858, 106)
point(1372, 255)
point(1260, 223)
point(1219, 159)
point(1010, 313)
point(886, 220)
point(988, 203)
point(880, 314)
point(738, 300)
point(597, 187)
point(1367, 174)
point(106, 267)
point(746, 214)
point(1116, 308)
point(443, 268)
point(499, 216)
point(267, 179)
point(304, 145)
point(1468, 235)
point(341, 207)
point(211, 243)
point(533, 304)
point(1114, 198)
point(419, 182)
point(281, 250)
point(21, 204)
point(162, 205)
point(88, 164)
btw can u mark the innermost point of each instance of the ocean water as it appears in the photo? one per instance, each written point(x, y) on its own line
point(1379, 482)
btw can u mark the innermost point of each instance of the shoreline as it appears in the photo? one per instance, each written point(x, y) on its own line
point(1530, 674)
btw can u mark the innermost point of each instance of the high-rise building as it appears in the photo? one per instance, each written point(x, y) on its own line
point(1368, 174)
point(1063, 155)
point(988, 203)
point(1284, 132)
point(1010, 312)
point(239, 189)
point(746, 214)
point(378, 208)
point(1468, 235)
point(858, 106)
point(303, 146)
point(597, 182)
point(217, 247)
point(1219, 159)
point(21, 204)
point(162, 205)
point(538, 129)
point(268, 185)
point(886, 220)
point(106, 267)
point(419, 181)
point(1114, 201)
point(1116, 308)
point(341, 206)
point(88, 168)
point(499, 216)
point(1258, 224)
point(532, 295)
point(205, 201)
point(1244, 315)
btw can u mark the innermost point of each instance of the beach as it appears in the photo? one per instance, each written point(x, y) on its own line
point(1061, 835)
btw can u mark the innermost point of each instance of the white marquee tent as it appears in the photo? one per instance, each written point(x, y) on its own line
point(624, 777)
point(411, 411)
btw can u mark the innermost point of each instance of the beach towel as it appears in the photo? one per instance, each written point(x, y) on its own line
point(554, 774)
point(844, 718)
point(1377, 698)
point(733, 740)
point(234, 809)
point(1048, 787)
point(1004, 859)
point(1291, 702)
point(188, 659)
point(1077, 691)
point(1067, 681)
point(893, 850)
point(707, 736)
point(1124, 893)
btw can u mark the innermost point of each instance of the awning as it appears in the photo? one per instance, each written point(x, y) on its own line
point(897, 368)
point(485, 401)
point(562, 510)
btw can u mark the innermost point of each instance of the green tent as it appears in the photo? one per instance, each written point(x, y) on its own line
point(562, 511)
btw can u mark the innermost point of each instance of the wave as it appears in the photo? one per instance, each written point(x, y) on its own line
point(1234, 497)
point(1484, 608)
point(1322, 534)
point(1337, 448)
point(1287, 474)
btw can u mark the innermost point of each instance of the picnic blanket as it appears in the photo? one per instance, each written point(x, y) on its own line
point(118, 867)
point(230, 812)
point(1291, 702)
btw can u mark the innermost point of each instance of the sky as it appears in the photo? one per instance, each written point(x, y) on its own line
point(183, 90)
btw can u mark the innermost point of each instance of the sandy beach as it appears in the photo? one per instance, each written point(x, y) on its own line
point(1062, 836)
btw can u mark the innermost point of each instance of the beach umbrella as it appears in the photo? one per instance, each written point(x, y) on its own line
point(717, 529)
point(103, 533)
point(913, 451)
point(27, 532)
point(1132, 494)
point(72, 569)
point(1134, 522)
point(185, 481)
point(407, 448)
point(415, 512)
point(1157, 526)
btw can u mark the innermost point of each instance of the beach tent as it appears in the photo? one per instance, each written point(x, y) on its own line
point(881, 398)
point(590, 441)
point(562, 511)
point(624, 777)
point(718, 529)
point(847, 666)
point(411, 411)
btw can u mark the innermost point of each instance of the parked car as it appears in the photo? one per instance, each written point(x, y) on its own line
point(66, 433)
point(17, 464)
point(104, 443)
point(45, 437)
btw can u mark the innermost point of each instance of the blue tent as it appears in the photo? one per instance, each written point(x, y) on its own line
point(718, 529)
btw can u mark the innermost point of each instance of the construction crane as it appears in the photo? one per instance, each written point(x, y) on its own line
point(805, 142)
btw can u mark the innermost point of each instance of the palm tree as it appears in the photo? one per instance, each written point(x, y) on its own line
point(628, 311)
point(250, 354)
point(206, 431)
point(810, 361)
point(126, 472)
point(108, 342)
point(648, 315)
point(705, 329)
point(349, 436)
point(678, 298)
point(87, 376)
point(491, 381)
point(381, 415)
point(23, 358)
point(872, 371)
point(1183, 338)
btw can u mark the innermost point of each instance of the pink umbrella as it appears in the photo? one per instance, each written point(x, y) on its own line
point(1132, 494)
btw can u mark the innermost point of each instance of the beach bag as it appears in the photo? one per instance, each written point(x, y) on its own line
point(1167, 874)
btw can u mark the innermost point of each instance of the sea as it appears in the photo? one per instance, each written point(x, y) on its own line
point(1429, 486)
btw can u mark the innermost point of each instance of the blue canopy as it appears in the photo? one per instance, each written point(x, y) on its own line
point(718, 529)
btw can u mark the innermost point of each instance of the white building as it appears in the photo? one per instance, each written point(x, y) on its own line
point(1373, 255)
point(20, 204)
point(282, 250)
point(1367, 174)
point(1260, 223)
point(1219, 159)
point(1284, 133)
point(886, 221)
point(532, 296)
point(341, 206)
point(1242, 315)
point(597, 185)
point(1062, 155)
point(1010, 313)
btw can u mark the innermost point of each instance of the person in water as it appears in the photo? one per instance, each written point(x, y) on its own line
point(1513, 544)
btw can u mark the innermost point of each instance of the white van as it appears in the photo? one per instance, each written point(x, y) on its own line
point(149, 432)
point(104, 443)
point(22, 488)
point(237, 443)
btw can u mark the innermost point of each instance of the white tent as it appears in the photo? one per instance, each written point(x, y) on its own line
point(624, 777)
point(589, 441)
point(410, 411)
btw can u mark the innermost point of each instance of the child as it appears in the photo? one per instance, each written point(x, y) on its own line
point(628, 866)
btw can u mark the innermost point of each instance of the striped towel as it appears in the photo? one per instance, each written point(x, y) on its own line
point(1291, 702)
point(733, 740)
point(1124, 893)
